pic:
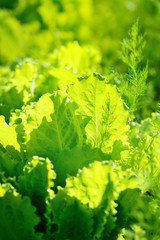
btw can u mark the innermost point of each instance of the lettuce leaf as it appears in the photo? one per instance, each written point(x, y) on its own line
point(103, 104)
point(17, 215)
point(52, 121)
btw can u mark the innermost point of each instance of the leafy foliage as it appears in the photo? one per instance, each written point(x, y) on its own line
point(79, 151)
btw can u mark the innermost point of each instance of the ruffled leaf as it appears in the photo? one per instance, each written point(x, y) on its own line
point(103, 104)
point(8, 135)
point(50, 125)
point(37, 182)
point(75, 222)
point(17, 215)
point(20, 88)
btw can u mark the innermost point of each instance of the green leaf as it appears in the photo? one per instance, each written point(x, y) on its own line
point(36, 183)
point(145, 157)
point(103, 104)
point(79, 59)
point(8, 135)
point(18, 215)
point(19, 89)
point(75, 222)
point(12, 158)
point(96, 187)
point(37, 178)
point(50, 125)
point(90, 184)
point(24, 78)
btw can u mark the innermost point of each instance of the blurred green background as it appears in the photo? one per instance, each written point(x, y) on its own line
point(35, 28)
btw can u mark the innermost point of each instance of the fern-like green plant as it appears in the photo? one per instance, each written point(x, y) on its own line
point(135, 79)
